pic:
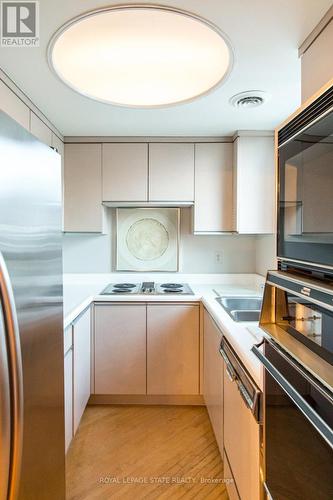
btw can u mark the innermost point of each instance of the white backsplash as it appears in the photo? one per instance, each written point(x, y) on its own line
point(95, 253)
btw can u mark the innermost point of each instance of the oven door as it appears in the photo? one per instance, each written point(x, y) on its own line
point(298, 435)
point(305, 222)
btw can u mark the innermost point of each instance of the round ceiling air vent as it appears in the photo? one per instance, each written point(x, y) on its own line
point(250, 99)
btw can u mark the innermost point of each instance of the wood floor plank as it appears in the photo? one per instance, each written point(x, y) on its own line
point(144, 453)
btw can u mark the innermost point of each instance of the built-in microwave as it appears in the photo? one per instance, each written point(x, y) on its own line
point(305, 187)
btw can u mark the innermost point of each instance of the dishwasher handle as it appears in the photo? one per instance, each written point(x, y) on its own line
point(251, 401)
point(228, 366)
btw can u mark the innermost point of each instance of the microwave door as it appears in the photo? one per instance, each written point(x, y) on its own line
point(305, 210)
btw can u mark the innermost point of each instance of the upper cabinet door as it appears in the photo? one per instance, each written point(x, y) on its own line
point(171, 172)
point(58, 144)
point(255, 166)
point(40, 130)
point(13, 106)
point(125, 172)
point(213, 204)
point(83, 210)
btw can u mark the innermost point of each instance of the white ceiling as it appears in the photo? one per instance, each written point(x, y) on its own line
point(265, 36)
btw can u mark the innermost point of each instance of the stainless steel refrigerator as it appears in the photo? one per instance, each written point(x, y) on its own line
point(32, 454)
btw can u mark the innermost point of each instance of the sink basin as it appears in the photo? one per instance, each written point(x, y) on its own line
point(241, 303)
point(245, 315)
point(241, 308)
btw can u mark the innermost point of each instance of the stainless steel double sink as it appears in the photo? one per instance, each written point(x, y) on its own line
point(241, 308)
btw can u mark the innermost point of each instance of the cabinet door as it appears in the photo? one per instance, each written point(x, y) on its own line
point(40, 130)
point(213, 203)
point(13, 106)
point(58, 144)
point(125, 172)
point(213, 377)
point(68, 366)
point(81, 366)
point(171, 172)
point(173, 349)
point(229, 479)
point(120, 349)
point(82, 188)
point(241, 442)
point(254, 159)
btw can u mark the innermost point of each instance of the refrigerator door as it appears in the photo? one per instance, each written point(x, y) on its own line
point(31, 243)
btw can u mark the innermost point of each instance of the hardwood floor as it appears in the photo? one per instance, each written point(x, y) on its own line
point(144, 452)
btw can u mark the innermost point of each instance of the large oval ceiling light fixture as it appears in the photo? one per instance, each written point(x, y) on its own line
point(142, 55)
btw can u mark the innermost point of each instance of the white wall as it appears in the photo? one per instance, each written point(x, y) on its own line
point(94, 253)
point(265, 255)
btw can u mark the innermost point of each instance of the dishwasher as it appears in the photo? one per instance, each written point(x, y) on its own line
point(242, 428)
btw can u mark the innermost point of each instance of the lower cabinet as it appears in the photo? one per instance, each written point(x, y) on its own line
point(146, 349)
point(241, 443)
point(68, 366)
point(120, 349)
point(229, 479)
point(173, 349)
point(81, 366)
point(77, 370)
point(213, 377)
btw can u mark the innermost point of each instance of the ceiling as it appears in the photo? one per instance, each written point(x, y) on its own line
point(265, 37)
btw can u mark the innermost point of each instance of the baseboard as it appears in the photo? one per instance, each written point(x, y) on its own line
point(145, 399)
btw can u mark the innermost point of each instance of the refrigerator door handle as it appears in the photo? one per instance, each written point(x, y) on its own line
point(5, 412)
point(15, 377)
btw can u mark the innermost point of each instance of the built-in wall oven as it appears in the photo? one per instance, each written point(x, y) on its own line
point(305, 187)
point(297, 357)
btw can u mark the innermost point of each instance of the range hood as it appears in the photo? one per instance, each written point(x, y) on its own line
point(147, 204)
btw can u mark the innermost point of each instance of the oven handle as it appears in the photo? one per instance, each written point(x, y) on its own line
point(318, 423)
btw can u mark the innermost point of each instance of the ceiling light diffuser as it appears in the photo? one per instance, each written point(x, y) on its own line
point(141, 56)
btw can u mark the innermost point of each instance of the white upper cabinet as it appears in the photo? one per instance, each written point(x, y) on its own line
point(13, 106)
point(58, 144)
point(254, 184)
point(40, 130)
point(125, 172)
point(171, 172)
point(83, 211)
point(213, 200)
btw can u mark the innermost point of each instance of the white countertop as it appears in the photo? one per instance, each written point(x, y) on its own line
point(80, 290)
